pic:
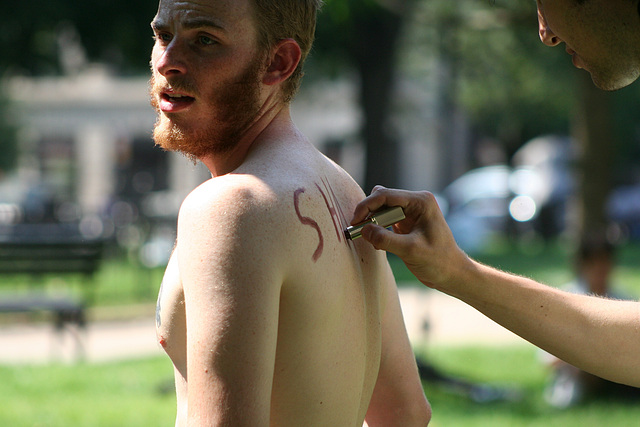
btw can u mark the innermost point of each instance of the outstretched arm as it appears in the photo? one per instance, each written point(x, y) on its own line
point(598, 335)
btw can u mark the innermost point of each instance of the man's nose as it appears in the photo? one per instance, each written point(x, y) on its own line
point(546, 35)
point(171, 59)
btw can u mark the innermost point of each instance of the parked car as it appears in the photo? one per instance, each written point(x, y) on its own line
point(532, 195)
point(551, 160)
point(623, 208)
point(478, 205)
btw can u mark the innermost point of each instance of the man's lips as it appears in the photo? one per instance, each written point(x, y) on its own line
point(174, 102)
point(577, 61)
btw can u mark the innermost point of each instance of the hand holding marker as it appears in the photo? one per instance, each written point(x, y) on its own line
point(384, 218)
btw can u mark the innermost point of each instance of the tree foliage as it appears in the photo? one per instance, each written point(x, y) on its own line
point(364, 36)
point(509, 86)
point(116, 32)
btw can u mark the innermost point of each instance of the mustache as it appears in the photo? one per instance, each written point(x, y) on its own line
point(177, 84)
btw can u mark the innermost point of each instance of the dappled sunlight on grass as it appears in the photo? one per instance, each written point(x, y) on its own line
point(515, 368)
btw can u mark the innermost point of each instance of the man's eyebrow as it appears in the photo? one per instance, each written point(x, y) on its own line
point(156, 25)
point(189, 24)
point(195, 23)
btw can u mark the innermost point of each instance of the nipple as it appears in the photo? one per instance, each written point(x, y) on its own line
point(162, 341)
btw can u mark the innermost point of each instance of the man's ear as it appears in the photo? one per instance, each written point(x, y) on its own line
point(284, 60)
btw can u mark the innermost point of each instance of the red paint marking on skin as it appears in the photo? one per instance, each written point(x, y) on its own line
point(337, 214)
point(310, 222)
point(333, 213)
point(344, 221)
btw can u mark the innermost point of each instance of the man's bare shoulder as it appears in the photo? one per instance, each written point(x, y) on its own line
point(231, 209)
point(228, 195)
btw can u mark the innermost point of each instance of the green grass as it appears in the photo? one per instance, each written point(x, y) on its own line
point(516, 368)
point(137, 393)
point(121, 281)
point(130, 393)
point(114, 394)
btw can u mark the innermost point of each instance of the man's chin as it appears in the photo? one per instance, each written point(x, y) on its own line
point(612, 84)
point(171, 137)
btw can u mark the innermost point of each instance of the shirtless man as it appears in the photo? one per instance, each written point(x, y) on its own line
point(270, 315)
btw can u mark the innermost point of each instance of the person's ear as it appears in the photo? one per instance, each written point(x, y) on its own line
point(283, 61)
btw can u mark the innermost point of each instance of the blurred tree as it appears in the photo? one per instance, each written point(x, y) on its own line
point(493, 67)
point(116, 32)
point(364, 34)
point(626, 125)
point(8, 142)
point(593, 130)
point(511, 87)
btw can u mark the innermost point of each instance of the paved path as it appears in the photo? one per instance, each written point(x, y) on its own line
point(102, 341)
point(430, 317)
point(435, 318)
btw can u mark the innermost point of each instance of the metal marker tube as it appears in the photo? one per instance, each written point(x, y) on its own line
point(383, 218)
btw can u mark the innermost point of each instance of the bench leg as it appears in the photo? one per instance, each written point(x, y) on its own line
point(74, 322)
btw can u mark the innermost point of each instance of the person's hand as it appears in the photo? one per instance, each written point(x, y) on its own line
point(423, 240)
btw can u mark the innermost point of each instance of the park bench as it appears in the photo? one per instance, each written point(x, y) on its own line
point(36, 250)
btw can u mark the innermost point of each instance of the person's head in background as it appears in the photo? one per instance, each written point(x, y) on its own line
point(594, 263)
point(602, 36)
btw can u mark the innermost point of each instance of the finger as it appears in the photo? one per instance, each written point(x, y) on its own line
point(372, 203)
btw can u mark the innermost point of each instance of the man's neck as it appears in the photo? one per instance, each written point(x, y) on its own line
point(269, 120)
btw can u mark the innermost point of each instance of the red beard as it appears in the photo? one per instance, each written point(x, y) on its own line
point(237, 104)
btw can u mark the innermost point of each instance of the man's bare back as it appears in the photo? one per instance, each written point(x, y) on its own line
point(285, 290)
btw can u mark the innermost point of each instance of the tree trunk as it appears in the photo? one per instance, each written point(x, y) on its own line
point(593, 131)
point(374, 53)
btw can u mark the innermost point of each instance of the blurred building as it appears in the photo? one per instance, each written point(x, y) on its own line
point(87, 139)
point(86, 151)
point(85, 144)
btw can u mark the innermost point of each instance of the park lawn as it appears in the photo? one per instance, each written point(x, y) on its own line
point(139, 393)
point(518, 369)
point(132, 393)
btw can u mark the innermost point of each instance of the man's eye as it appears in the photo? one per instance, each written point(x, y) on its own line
point(206, 40)
point(162, 37)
